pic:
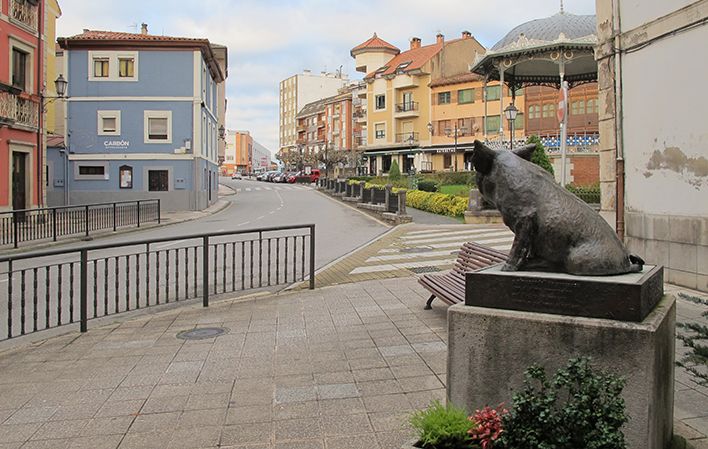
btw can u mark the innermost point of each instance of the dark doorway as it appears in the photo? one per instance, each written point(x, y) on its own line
point(372, 166)
point(19, 181)
point(386, 163)
point(408, 163)
point(468, 160)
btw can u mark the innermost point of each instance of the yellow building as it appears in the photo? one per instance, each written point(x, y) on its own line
point(52, 13)
point(398, 96)
point(459, 107)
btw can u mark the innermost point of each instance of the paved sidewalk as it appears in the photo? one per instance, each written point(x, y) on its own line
point(333, 368)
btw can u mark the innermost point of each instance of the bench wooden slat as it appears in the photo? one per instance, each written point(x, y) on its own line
point(450, 287)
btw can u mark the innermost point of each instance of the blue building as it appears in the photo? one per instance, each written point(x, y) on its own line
point(142, 120)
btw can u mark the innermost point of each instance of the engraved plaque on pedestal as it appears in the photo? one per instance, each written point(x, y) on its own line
point(625, 297)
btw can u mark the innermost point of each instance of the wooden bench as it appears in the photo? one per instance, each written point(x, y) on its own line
point(450, 287)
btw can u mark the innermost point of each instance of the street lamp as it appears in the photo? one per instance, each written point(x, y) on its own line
point(222, 132)
point(510, 113)
point(455, 132)
point(430, 128)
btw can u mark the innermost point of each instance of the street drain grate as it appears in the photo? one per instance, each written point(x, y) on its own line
point(421, 270)
point(418, 249)
point(202, 333)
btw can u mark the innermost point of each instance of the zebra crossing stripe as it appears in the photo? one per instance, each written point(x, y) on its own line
point(439, 234)
point(402, 266)
point(461, 238)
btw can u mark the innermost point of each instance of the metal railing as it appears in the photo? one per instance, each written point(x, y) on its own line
point(409, 138)
point(44, 290)
point(53, 222)
point(407, 106)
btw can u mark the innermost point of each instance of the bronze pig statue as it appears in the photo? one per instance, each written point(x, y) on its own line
point(553, 229)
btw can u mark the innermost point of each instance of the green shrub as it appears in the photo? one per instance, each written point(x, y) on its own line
point(539, 156)
point(427, 185)
point(579, 408)
point(450, 178)
point(589, 194)
point(437, 203)
point(442, 427)
point(456, 189)
point(394, 173)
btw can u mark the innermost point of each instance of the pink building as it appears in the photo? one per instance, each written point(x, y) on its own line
point(21, 83)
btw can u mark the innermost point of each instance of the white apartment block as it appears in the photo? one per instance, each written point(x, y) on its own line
point(299, 90)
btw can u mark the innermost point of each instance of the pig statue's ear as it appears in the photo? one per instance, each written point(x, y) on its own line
point(525, 152)
point(482, 158)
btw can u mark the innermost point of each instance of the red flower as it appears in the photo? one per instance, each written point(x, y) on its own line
point(488, 426)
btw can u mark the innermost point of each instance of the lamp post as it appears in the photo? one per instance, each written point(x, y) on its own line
point(60, 85)
point(455, 132)
point(510, 113)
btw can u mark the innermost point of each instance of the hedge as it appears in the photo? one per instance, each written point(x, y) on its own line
point(437, 203)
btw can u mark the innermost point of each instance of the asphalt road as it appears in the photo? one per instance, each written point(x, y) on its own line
point(123, 278)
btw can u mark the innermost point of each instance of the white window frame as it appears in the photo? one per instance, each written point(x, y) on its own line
point(79, 177)
point(157, 114)
point(113, 65)
point(29, 70)
point(384, 131)
point(100, 115)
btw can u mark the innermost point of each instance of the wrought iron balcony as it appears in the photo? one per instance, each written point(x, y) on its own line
point(15, 110)
point(24, 12)
point(407, 106)
point(408, 138)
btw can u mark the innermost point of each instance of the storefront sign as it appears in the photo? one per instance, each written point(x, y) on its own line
point(116, 144)
point(445, 150)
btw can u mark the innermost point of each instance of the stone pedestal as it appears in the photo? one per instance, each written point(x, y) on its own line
point(489, 350)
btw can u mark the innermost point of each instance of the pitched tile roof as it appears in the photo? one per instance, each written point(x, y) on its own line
point(457, 79)
point(99, 38)
point(99, 35)
point(415, 58)
point(374, 43)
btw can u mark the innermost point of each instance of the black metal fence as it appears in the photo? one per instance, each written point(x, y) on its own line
point(53, 222)
point(43, 290)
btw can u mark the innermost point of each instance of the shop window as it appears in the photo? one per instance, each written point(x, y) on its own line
point(447, 160)
point(158, 180)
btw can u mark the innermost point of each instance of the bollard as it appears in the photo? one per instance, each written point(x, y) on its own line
point(401, 203)
point(361, 191)
point(387, 197)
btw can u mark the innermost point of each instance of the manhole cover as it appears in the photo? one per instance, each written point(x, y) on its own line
point(202, 333)
point(418, 249)
point(421, 270)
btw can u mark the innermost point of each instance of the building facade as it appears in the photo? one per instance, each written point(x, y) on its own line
point(243, 154)
point(399, 111)
point(461, 107)
point(25, 28)
point(142, 119)
point(654, 161)
point(299, 90)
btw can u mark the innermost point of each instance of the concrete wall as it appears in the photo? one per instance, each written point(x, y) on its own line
point(664, 137)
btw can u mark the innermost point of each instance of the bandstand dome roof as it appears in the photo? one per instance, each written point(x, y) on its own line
point(535, 51)
point(550, 28)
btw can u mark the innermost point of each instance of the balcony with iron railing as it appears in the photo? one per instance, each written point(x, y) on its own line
point(407, 138)
point(24, 12)
point(407, 109)
point(15, 110)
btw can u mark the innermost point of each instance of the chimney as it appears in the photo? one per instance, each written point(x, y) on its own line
point(440, 38)
point(143, 28)
point(415, 42)
point(466, 35)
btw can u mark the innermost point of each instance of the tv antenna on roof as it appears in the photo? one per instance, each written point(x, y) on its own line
point(134, 27)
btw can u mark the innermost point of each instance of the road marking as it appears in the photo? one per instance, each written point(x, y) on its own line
point(461, 238)
point(439, 234)
point(401, 266)
point(248, 189)
point(244, 223)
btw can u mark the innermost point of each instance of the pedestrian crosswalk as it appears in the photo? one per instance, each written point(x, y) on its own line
point(276, 187)
point(434, 248)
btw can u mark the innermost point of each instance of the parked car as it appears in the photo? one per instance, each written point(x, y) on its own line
point(314, 176)
point(272, 175)
point(236, 175)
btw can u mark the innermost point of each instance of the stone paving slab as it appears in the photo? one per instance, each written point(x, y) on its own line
point(336, 367)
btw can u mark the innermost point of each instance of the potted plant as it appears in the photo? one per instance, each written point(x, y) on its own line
point(441, 427)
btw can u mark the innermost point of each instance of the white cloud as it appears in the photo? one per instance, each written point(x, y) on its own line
point(270, 40)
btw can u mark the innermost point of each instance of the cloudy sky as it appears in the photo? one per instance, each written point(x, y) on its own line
point(269, 40)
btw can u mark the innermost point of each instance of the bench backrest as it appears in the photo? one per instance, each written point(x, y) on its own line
point(474, 256)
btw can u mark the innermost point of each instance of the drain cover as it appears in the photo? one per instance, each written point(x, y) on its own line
point(417, 249)
point(202, 333)
point(421, 270)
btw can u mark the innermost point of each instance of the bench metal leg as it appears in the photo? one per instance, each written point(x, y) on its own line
point(427, 304)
